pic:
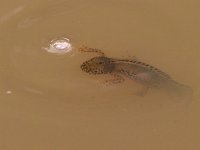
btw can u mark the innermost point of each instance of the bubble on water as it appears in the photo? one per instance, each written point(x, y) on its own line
point(59, 46)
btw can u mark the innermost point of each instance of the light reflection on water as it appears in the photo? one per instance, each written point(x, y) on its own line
point(59, 46)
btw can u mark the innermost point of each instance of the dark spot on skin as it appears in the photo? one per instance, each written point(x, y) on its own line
point(156, 69)
point(138, 62)
point(143, 64)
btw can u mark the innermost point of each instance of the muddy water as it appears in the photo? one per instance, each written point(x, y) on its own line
point(48, 103)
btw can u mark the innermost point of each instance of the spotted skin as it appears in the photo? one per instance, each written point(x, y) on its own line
point(140, 72)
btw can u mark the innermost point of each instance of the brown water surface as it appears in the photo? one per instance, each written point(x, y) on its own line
point(48, 103)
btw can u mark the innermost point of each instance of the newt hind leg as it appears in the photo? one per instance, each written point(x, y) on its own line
point(93, 50)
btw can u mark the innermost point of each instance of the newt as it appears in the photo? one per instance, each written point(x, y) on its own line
point(146, 75)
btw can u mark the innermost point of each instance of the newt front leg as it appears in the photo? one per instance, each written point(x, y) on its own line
point(93, 50)
point(115, 79)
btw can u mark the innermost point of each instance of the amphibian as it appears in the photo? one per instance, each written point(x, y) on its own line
point(140, 72)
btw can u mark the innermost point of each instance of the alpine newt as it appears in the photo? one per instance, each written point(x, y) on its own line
point(140, 72)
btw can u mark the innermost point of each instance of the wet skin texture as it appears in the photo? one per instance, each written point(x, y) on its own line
point(140, 72)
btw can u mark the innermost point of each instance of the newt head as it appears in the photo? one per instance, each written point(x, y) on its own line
point(98, 65)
